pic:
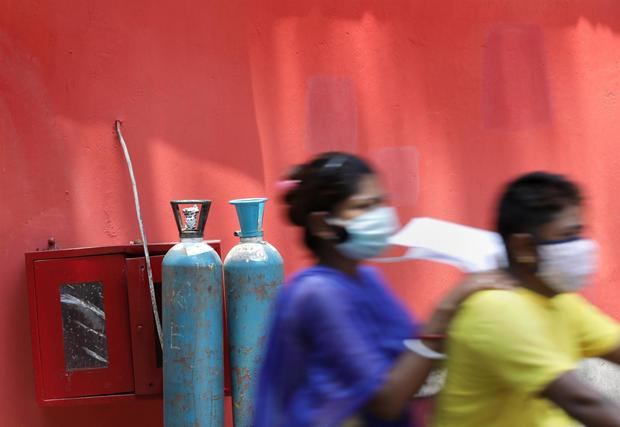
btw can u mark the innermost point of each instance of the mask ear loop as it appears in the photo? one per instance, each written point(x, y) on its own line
point(341, 234)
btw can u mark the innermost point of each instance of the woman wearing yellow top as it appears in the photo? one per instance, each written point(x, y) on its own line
point(512, 355)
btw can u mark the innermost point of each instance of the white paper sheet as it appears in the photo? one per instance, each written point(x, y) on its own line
point(470, 249)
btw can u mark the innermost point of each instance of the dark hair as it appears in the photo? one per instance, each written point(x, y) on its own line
point(533, 200)
point(320, 185)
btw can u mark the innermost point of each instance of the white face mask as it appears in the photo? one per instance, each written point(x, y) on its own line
point(567, 266)
point(368, 233)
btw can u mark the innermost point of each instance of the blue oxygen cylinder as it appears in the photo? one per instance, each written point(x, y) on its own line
point(193, 355)
point(253, 272)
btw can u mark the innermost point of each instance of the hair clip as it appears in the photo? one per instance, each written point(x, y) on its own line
point(330, 169)
point(335, 162)
point(287, 184)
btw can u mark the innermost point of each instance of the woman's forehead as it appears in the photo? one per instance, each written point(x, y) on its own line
point(568, 216)
point(368, 187)
point(568, 219)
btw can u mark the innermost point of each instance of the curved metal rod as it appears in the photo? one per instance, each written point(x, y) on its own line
point(142, 234)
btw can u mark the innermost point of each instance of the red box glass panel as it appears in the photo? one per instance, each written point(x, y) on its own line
point(84, 303)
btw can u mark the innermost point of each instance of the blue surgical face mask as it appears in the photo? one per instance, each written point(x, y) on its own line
point(368, 233)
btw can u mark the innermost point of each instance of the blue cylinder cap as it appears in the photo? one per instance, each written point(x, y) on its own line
point(250, 213)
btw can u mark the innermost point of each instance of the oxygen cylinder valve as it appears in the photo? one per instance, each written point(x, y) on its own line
point(192, 218)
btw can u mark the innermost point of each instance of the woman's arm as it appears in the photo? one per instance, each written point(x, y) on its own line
point(583, 402)
point(411, 370)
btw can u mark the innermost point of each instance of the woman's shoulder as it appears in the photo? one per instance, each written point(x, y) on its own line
point(372, 273)
point(327, 279)
point(324, 284)
point(316, 281)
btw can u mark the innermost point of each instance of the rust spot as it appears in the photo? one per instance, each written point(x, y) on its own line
point(242, 375)
point(241, 350)
point(266, 291)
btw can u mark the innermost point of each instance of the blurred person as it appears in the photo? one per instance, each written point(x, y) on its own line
point(335, 355)
point(512, 355)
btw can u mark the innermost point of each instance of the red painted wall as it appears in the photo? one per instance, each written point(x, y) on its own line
point(450, 98)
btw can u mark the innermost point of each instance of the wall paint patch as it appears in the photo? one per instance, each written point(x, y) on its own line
point(331, 115)
point(515, 92)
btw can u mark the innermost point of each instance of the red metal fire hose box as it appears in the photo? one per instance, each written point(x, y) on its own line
point(93, 332)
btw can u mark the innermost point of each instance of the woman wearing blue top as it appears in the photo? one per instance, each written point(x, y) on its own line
point(335, 355)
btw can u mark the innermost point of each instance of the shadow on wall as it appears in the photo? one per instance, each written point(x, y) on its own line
point(480, 91)
point(556, 13)
point(180, 81)
point(405, 78)
point(181, 84)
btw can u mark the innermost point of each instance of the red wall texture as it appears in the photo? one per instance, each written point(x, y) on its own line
point(450, 98)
